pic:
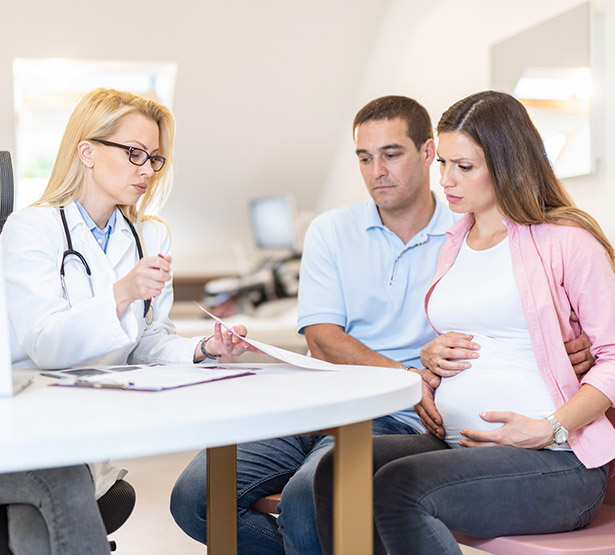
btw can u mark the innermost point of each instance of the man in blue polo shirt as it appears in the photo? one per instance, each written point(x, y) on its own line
point(366, 267)
point(365, 270)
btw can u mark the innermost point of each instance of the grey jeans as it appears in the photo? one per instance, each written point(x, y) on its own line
point(53, 512)
point(423, 489)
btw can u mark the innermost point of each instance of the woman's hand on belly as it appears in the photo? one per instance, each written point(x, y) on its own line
point(517, 431)
point(448, 354)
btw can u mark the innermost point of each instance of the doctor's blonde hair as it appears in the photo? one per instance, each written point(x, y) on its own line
point(98, 115)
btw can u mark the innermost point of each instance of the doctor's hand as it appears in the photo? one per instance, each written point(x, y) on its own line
point(517, 431)
point(442, 355)
point(145, 281)
point(223, 343)
point(426, 409)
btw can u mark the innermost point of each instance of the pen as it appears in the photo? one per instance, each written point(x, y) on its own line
point(148, 303)
point(95, 385)
point(100, 385)
point(19, 388)
point(50, 375)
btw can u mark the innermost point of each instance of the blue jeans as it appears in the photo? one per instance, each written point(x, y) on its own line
point(423, 489)
point(53, 511)
point(284, 465)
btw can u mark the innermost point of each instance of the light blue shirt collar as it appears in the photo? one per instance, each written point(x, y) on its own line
point(101, 235)
point(440, 221)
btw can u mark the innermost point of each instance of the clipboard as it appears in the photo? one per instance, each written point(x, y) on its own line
point(156, 378)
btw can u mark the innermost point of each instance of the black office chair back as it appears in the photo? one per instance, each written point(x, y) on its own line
point(6, 185)
point(6, 207)
point(4, 532)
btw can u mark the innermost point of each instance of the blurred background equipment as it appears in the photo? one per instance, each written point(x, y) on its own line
point(264, 295)
point(276, 274)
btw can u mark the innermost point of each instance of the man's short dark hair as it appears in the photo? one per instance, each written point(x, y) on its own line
point(392, 107)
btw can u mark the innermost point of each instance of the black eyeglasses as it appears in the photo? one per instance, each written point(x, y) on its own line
point(137, 156)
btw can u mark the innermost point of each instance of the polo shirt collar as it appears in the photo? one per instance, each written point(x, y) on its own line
point(372, 217)
point(441, 220)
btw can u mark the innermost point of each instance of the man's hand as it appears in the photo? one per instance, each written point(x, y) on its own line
point(517, 431)
point(442, 355)
point(426, 409)
point(579, 354)
point(579, 349)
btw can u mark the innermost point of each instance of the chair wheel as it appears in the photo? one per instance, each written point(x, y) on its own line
point(112, 545)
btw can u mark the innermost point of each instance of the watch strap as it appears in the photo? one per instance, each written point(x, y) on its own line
point(207, 354)
point(560, 434)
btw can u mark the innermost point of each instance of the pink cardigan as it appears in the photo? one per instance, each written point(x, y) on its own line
point(557, 268)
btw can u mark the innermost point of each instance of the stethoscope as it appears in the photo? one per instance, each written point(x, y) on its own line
point(148, 310)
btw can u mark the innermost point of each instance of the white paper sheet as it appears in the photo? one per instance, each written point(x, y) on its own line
point(289, 357)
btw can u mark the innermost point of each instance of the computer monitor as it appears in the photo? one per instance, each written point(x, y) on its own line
point(6, 371)
point(273, 222)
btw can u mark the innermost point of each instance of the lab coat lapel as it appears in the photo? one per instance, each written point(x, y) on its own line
point(121, 243)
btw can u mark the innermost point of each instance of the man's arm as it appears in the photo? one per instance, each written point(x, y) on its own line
point(331, 343)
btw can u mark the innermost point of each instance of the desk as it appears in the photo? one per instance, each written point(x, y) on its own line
point(52, 426)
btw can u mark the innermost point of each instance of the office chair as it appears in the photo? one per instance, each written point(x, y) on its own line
point(115, 507)
point(117, 504)
point(6, 185)
point(4, 532)
point(6, 207)
point(267, 504)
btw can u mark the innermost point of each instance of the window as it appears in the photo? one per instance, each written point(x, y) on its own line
point(45, 93)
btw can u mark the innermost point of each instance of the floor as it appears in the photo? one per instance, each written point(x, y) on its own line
point(151, 529)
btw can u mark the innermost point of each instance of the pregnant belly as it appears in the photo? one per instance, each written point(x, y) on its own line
point(491, 384)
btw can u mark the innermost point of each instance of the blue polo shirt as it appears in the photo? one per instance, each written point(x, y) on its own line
point(359, 275)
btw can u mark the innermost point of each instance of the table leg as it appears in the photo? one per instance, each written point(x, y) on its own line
point(352, 490)
point(222, 500)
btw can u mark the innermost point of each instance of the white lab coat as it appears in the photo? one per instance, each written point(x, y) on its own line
point(49, 330)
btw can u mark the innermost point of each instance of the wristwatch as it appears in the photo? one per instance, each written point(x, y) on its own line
point(560, 434)
point(207, 354)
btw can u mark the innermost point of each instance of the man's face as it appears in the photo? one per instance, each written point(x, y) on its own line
point(393, 169)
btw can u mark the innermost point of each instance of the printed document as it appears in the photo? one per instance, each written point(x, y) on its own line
point(289, 357)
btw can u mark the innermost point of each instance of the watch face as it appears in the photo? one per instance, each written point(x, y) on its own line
point(561, 436)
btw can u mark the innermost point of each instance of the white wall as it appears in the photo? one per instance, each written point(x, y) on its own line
point(266, 91)
point(437, 52)
point(262, 89)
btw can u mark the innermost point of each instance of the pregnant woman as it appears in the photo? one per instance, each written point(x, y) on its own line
point(527, 445)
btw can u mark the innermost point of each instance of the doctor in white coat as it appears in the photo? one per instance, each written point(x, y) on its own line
point(88, 273)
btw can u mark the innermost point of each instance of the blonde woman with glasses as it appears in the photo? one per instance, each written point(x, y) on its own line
point(88, 281)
